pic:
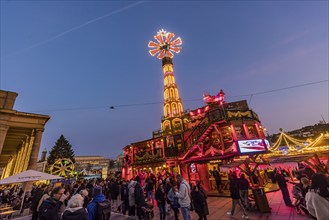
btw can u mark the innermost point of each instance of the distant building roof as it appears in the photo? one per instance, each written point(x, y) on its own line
point(91, 158)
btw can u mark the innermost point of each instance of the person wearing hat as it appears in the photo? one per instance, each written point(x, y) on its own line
point(98, 197)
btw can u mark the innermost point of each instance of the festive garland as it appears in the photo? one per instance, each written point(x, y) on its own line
point(239, 114)
point(147, 156)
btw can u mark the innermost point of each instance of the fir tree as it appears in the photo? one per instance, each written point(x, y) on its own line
point(62, 149)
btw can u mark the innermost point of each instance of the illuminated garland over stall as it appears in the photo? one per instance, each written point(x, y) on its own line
point(296, 146)
point(147, 155)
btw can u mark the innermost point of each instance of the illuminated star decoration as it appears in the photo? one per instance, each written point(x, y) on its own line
point(165, 45)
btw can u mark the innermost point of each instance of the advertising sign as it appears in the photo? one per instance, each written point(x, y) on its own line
point(253, 146)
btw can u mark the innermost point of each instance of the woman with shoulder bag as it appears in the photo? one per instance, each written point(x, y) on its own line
point(173, 199)
point(160, 197)
point(200, 202)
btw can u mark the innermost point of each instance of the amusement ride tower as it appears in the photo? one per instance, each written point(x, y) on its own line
point(165, 46)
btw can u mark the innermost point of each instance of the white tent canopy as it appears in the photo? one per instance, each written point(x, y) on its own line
point(28, 176)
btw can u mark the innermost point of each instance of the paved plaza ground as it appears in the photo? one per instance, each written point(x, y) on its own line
point(219, 206)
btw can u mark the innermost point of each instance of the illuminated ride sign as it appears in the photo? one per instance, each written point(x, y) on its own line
point(165, 45)
point(254, 146)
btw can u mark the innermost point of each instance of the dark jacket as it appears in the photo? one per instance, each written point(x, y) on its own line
point(234, 189)
point(282, 182)
point(149, 186)
point(125, 196)
point(200, 202)
point(167, 187)
point(243, 184)
point(216, 175)
point(86, 201)
point(75, 214)
point(124, 192)
point(139, 196)
point(114, 190)
point(49, 209)
point(38, 193)
point(160, 196)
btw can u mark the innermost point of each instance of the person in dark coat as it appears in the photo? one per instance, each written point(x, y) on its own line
point(114, 192)
point(199, 199)
point(75, 209)
point(235, 195)
point(38, 193)
point(243, 185)
point(139, 200)
point(138, 179)
point(149, 187)
point(160, 197)
point(218, 179)
point(167, 187)
point(282, 182)
point(49, 209)
point(124, 197)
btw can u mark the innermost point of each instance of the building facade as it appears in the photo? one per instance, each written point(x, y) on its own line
point(20, 136)
point(193, 142)
point(92, 166)
point(210, 138)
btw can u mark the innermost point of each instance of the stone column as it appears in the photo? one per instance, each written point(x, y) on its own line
point(29, 147)
point(33, 157)
point(20, 162)
point(35, 150)
point(3, 133)
point(16, 163)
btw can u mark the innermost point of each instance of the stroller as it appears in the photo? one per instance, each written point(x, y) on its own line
point(300, 203)
point(148, 212)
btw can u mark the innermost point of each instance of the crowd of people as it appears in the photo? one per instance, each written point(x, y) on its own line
point(95, 199)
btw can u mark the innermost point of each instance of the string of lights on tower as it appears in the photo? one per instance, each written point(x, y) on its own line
point(165, 47)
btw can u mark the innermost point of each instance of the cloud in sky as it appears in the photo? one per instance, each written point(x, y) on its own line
point(43, 42)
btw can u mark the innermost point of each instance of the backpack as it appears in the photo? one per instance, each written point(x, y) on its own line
point(103, 210)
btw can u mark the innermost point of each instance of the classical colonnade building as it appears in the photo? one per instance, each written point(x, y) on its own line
point(20, 136)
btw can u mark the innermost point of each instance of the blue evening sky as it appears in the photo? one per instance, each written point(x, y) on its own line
point(72, 60)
